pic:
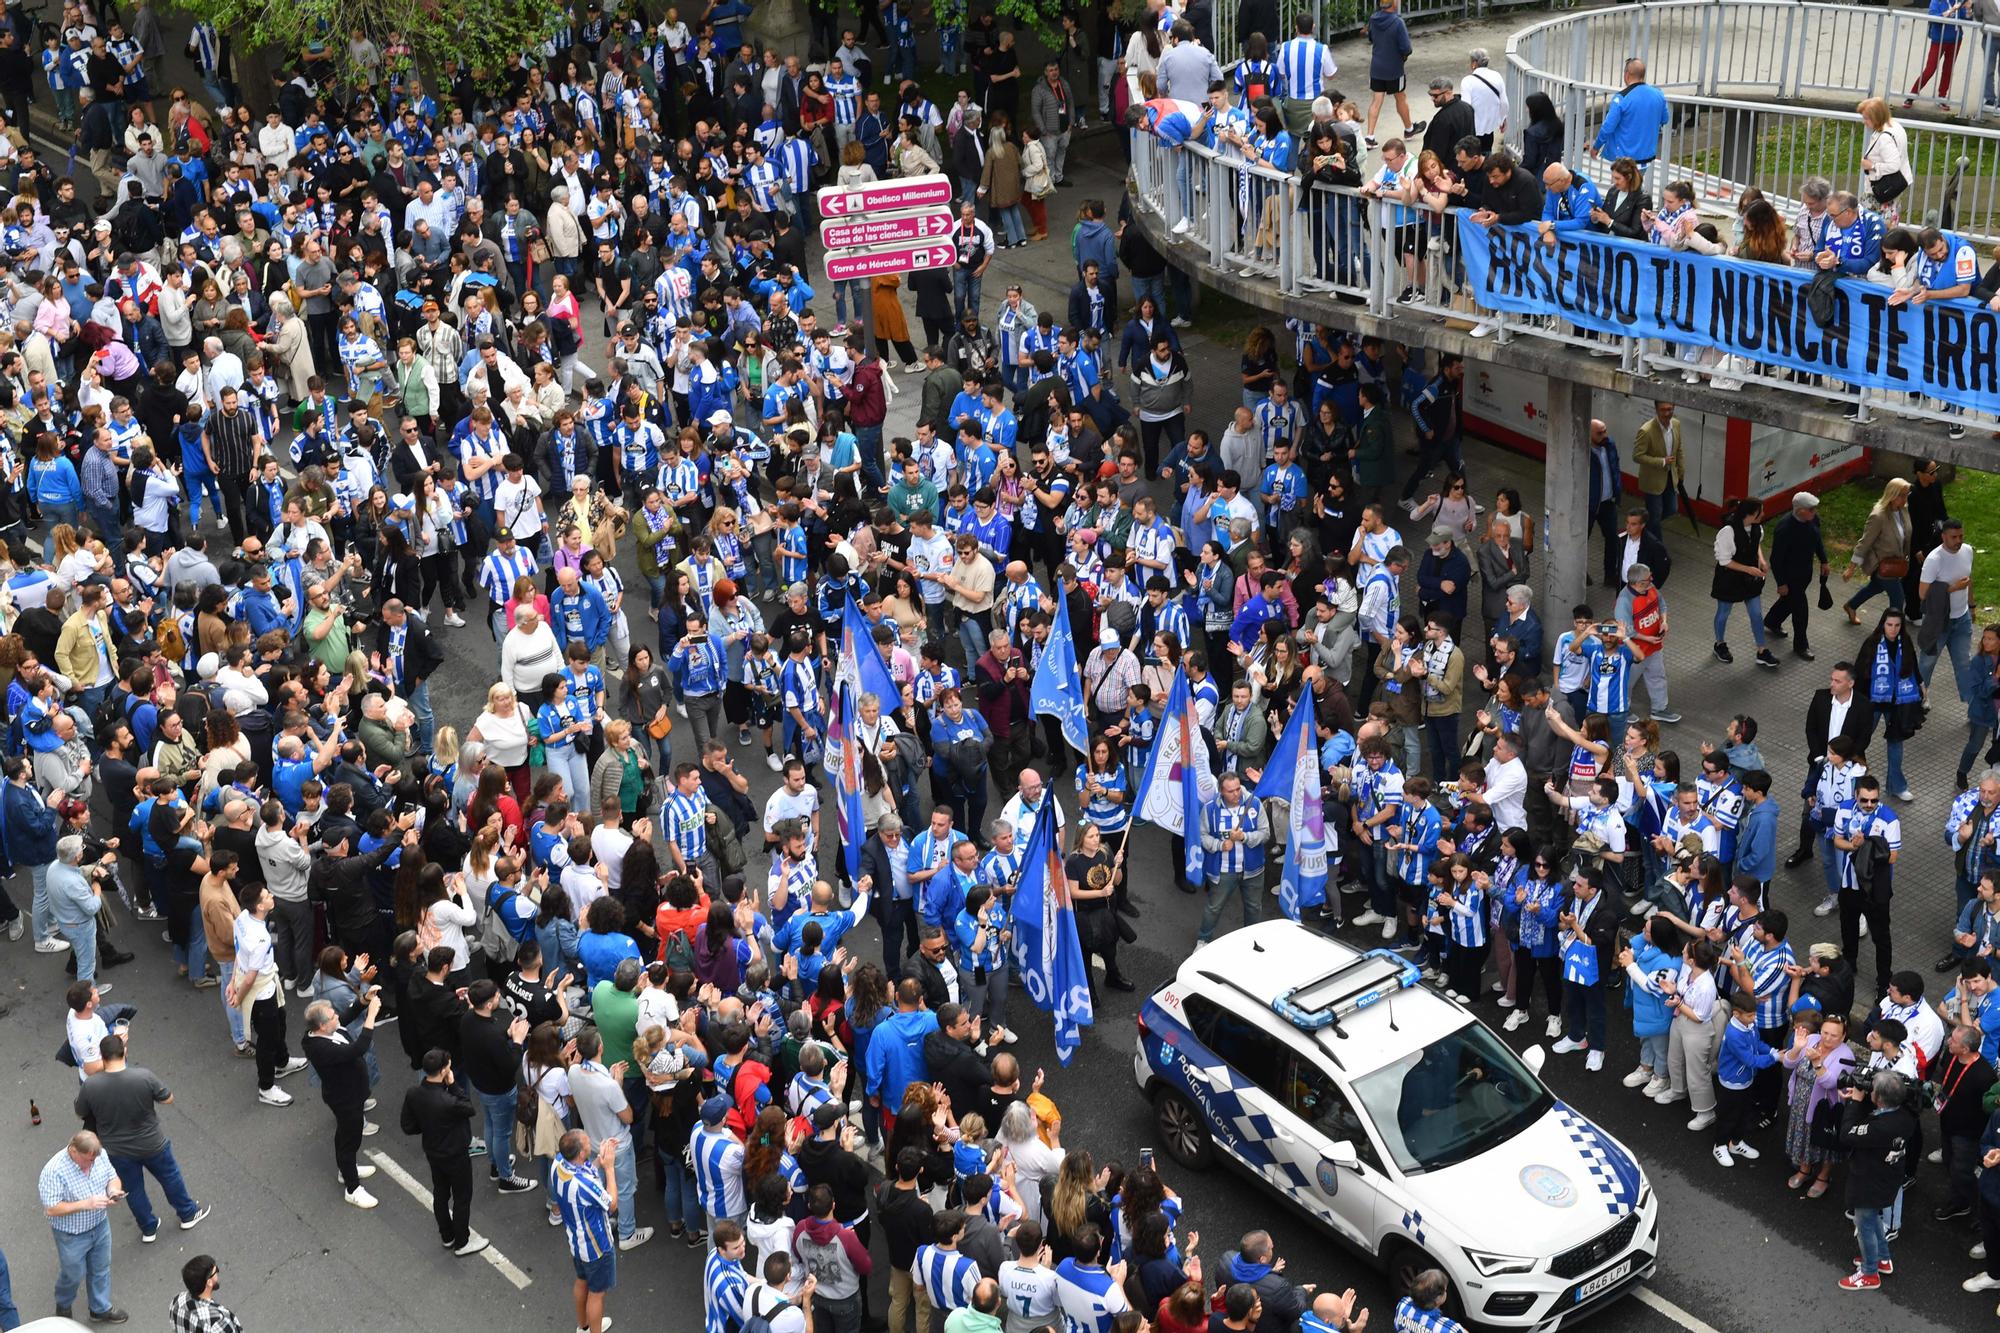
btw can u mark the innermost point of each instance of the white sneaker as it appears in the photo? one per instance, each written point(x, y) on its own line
point(1826, 906)
point(274, 1097)
point(1667, 1096)
point(360, 1197)
point(1978, 1251)
point(1555, 1028)
point(1593, 1062)
point(1655, 1088)
point(364, 1170)
point(1565, 1045)
point(1484, 328)
point(604, 1324)
point(1370, 918)
point(1745, 1151)
point(1721, 1156)
point(775, 764)
point(369, 1129)
point(682, 709)
point(1935, 1157)
point(457, 621)
point(17, 927)
point(51, 945)
point(473, 1245)
point(1864, 927)
point(1518, 1018)
point(1183, 227)
point(1505, 1002)
point(292, 1066)
point(1638, 1077)
point(1980, 1282)
point(1181, 322)
point(1388, 931)
point(368, 1105)
point(1701, 1121)
point(638, 1237)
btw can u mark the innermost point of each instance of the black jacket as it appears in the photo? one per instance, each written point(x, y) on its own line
point(1625, 209)
point(967, 162)
point(341, 882)
point(1859, 726)
point(906, 1222)
point(1797, 551)
point(936, 993)
point(343, 1073)
point(1449, 123)
point(825, 1162)
point(875, 862)
point(421, 654)
point(487, 1056)
point(431, 1019)
point(1879, 1152)
point(442, 1113)
point(956, 1065)
point(1516, 199)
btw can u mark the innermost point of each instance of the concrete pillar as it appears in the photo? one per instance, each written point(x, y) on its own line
point(1566, 502)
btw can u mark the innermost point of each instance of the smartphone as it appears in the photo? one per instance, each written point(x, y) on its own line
point(1146, 1158)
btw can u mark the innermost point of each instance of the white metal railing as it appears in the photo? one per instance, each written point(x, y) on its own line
point(1338, 244)
point(1334, 18)
point(1735, 71)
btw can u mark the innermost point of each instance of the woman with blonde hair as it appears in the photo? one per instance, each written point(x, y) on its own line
point(444, 756)
point(503, 729)
point(1883, 553)
point(1885, 158)
point(1074, 1202)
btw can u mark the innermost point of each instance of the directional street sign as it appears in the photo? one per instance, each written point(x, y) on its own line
point(887, 229)
point(911, 192)
point(890, 259)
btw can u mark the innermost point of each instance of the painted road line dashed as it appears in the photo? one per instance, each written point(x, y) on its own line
point(491, 1254)
point(1693, 1324)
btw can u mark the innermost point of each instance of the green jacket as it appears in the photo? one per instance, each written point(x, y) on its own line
point(1375, 450)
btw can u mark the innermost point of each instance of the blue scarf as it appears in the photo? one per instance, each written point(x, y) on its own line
point(1242, 1270)
point(1886, 681)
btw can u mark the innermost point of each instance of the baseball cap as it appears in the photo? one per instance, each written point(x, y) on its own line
point(827, 1114)
point(720, 418)
point(715, 1110)
point(503, 534)
point(1440, 536)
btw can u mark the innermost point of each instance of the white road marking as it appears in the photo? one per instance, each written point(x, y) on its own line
point(491, 1254)
point(1647, 1296)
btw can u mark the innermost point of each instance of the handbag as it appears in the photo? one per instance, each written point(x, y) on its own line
point(1892, 567)
point(538, 249)
point(1886, 189)
point(1825, 595)
point(660, 727)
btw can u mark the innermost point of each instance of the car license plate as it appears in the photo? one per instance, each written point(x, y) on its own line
point(1605, 1279)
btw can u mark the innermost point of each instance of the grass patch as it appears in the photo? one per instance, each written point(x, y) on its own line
point(1226, 321)
point(1973, 498)
point(1793, 148)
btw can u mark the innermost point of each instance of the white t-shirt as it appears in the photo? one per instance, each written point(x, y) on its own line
point(762, 1298)
point(84, 1036)
point(1486, 91)
point(783, 805)
point(610, 845)
point(1029, 1295)
point(515, 503)
point(1941, 566)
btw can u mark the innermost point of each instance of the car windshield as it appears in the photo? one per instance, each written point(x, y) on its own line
point(1456, 1098)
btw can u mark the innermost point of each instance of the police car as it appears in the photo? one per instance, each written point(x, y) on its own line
point(1398, 1120)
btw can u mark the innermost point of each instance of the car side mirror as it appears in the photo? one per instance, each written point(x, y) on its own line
point(1535, 1057)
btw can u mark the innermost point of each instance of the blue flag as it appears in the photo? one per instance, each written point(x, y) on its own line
point(1179, 777)
point(1048, 952)
point(1292, 775)
point(1057, 689)
point(860, 671)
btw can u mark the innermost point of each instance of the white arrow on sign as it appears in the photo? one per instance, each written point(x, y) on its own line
point(912, 192)
point(891, 259)
point(887, 229)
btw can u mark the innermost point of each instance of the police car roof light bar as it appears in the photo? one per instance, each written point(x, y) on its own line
point(1349, 989)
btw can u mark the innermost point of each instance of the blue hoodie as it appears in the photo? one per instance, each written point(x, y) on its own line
point(1743, 1054)
point(1388, 44)
point(896, 1054)
point(1649, 1009)
point(1094, 242)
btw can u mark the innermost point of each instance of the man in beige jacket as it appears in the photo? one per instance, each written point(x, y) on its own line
point(1656, 452)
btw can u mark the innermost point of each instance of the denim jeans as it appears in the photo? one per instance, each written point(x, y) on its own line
point(625, 1168)
point(499, 1108)
point(1016, 224)
point(420, 704)
point(965, 286)
point(1248, 886)
point(237, 1032)
point(1991, 96)
point(113, 532)
point(849, 295)
point(1893, 587)
point(1869, 1224)
point(85, 1257)
point(195, 957)
point(10, 1316)
point(1155, 287)
point(1894, 778)
point(1956, 642)
point(1754, 605)
point(682, 1203)
point(972, 635)
point(1653, 1053)
point(132, 1174)
point(39, 912)
point(570, 764)
point(83, 947)
point(1583, 1014)
point(1659, 508)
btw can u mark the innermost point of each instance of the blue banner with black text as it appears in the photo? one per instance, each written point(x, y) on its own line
point(1949, 350)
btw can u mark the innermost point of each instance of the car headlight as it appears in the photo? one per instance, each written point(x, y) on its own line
point(1498, 1265)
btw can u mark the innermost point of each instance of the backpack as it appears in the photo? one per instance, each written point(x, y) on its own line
point(499, 933)
point(172, 644)
point(756, 1321)
point(527, 1101)
point(678, 952)
point(115, 707)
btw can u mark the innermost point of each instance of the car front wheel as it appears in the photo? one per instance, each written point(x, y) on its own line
point(1183, 1132)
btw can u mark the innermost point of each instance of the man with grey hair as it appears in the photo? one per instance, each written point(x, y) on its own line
point(341, 1065)
point(1187, 67)
point(471, 759)
point(1521, 625)
point(1642, 610)
point(77, 1188)
point(1486, 92)
point(67, 768)
point(223, 369)
point(286, 863)
point(73, 902)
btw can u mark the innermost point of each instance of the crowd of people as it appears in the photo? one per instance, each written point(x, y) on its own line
point(356, 329)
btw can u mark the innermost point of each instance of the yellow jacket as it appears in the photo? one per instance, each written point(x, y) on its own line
point(76, 650)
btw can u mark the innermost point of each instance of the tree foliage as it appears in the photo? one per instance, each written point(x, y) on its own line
point(436, 34)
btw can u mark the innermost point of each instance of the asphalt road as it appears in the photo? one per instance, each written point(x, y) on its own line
point(1739, 1251)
